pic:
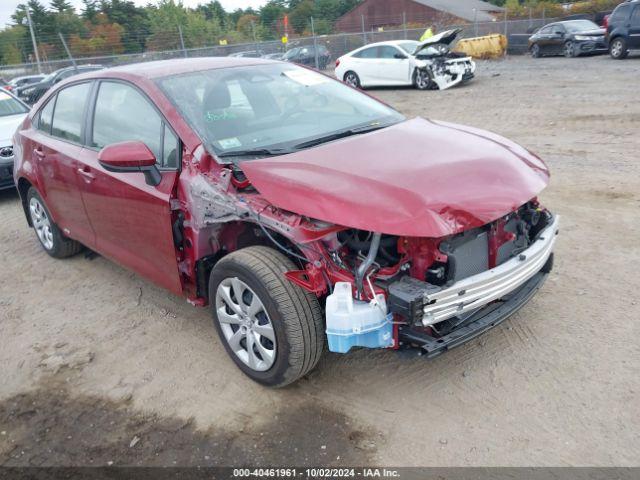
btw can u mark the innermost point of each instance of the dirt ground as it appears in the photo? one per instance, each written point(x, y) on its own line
point(100, 367)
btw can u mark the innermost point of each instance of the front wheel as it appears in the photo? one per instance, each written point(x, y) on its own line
point(422, 80)
point(352, 79)
point(50, 236)
point(271, 328)
point(570, 50)
point(535, 51)
point(618, 49)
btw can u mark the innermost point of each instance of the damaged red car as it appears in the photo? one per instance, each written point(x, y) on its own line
point(304, 213)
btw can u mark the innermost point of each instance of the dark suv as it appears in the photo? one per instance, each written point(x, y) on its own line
point(623, 29)
point(306, 55)
point(31, 93)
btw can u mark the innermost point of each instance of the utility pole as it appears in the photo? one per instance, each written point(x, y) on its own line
point(404, 24)
point(64, 44)
point(315, 44)
point(33, 40)
point(184, 50)
point(475, 21)
point(364, 32)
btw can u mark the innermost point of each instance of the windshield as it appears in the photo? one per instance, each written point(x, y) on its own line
point(580, 26)
point(408, 47)
point(270, 107)
point(10, 106)
point(292, 53)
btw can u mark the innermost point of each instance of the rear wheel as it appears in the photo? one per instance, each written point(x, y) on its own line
point(352, 79)
point(272, 329)
point(618, 48)
point(50, 236)
point(535, 50)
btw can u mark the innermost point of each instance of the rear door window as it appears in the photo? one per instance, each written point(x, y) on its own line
point(68, 115)
point(367, 53)
point(635, 16)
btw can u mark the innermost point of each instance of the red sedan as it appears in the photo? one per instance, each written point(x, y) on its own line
point(302, 211)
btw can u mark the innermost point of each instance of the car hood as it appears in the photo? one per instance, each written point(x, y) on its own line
point(591, 33)
point(445, 37)
point(417, 178)
point(8, 126)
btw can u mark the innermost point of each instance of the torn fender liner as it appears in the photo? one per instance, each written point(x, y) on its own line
point(417, 178)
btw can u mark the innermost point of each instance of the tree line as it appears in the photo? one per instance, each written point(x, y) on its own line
point(112, 27)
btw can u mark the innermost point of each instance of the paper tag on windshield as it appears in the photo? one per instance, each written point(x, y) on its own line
point(306, 77)
point(228, 143)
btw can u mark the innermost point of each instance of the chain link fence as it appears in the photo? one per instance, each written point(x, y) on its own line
point(516, 31)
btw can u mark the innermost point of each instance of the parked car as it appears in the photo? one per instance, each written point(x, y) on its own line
point(273, 56)
point(247, 54)
point(31, 93)
point(12, 114)
point(307, 56)
point(570, 38)
point(623, 29)
point(426, 65)
point(17, 82)
point(299, 209)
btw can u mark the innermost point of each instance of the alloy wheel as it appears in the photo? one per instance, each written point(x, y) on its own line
point(422, 80)
point(41, 223)
point(616, 49)
point(245, 324)
point(569, 49)
point(351, 79)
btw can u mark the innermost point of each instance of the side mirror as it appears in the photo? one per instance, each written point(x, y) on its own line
point(133, 156)
point(400, 56)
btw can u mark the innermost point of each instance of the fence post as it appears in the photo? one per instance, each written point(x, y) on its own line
point(184, 50)
point(544, 15)
point(530, 18)
point(506, 31)
point(64, 44)
point(253, 32)
point(404, 24)
point(475, 22)
point(33, 40)
point(315, 44)
point(364, 32)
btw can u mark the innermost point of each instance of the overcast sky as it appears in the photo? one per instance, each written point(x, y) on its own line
point(7, 7)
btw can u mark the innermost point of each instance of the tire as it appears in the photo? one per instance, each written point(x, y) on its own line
point(352, 79)
point(422, 80)
point(569, 50)
point(618, 48)
point(286, 328)
point(50, 236)
point(535, 51)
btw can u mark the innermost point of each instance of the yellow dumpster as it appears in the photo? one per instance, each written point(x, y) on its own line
point(490, 46)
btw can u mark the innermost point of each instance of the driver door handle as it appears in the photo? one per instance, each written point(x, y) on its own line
point(38, 152)
point(86, 173)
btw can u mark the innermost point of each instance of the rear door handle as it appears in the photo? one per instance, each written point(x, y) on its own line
point(39, 153)
point(86, 173)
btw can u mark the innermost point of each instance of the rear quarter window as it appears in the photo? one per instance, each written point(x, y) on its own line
point(68, 115)
point(620, 13)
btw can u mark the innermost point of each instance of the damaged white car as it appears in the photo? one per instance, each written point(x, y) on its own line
point(427, 65)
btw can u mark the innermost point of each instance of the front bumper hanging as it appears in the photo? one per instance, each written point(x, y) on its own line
point(471, 306)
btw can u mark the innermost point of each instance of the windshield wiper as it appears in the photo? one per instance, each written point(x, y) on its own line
point(338, 135)
point(259, 152)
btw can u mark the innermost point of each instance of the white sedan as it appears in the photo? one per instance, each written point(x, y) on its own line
point(426, 65)
point(12, 113)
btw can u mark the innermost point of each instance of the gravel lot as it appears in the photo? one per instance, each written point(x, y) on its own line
point(93, 357)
